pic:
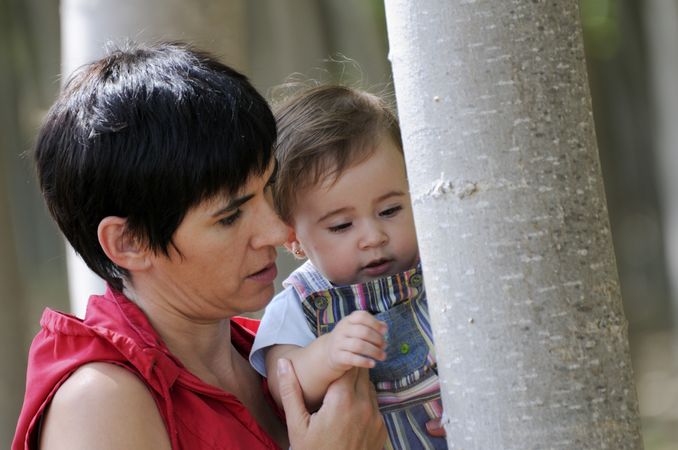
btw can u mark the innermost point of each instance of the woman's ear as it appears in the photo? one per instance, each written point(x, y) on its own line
point(293, 246)
point(120, 246)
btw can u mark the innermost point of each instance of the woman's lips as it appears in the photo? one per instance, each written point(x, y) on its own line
point(266, 275)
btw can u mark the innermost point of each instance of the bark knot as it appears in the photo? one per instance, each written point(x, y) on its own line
point(460, 189)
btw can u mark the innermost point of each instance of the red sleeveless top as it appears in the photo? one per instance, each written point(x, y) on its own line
point(196, 415)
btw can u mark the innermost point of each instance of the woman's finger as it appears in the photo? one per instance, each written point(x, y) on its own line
point(296, 414)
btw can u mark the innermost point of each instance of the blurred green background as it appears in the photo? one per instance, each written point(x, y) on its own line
point(632, 54)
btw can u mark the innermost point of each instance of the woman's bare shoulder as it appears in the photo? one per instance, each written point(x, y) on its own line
point(103, 406)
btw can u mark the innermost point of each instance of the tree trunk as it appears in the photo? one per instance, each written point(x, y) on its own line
point(12, 312)
point(28, 261)
point(618, 71)
point(662, 37)
point(88, 26)
point(512, 224)
point(12, 299)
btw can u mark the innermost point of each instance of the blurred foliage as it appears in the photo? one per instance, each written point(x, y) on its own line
point(599, 20)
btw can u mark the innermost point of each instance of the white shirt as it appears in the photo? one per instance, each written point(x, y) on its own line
point(283, 323)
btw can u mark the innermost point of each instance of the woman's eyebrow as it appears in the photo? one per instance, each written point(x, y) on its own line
point(233, 204)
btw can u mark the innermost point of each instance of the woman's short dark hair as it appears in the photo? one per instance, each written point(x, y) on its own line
point(146, 133)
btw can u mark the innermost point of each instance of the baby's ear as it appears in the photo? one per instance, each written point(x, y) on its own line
point(293, 246)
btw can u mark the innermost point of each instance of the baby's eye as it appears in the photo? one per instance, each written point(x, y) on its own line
point(339, 228)
point(230, 220)
point(390, 212)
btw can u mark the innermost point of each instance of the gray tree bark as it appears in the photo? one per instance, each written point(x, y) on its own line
point(512, 223)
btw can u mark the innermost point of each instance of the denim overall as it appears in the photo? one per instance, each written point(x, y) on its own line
point(407, 381)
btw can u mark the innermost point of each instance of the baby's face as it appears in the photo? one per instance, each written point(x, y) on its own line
point(360, 227)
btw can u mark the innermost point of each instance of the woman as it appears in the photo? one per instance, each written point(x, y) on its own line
point(156, 164)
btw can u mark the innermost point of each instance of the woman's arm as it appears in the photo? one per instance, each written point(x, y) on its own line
point(349, 418)
point(103, 406)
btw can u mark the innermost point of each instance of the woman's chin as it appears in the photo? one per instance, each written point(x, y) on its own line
point(261, 299)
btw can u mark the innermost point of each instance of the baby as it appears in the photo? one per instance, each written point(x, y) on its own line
point(359, 300)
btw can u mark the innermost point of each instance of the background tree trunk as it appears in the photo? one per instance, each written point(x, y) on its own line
point(659, 387)
point(662, 36)
point(513, 229)
point(26, 278)
point(12, 299)
point(618, 68)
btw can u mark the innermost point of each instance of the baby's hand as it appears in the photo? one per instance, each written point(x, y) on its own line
point(356, 341)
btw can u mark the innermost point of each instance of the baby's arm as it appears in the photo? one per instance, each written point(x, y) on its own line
point(356, 341)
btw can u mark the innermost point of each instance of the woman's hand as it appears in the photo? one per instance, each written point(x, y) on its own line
point(348, 419)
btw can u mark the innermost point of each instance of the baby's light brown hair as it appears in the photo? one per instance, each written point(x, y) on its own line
point(322, 131)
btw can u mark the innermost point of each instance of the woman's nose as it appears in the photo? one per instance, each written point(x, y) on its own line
point(271, 231)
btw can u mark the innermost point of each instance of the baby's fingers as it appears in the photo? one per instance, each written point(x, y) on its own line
point(369, 335)
point(349, 359)
point(364, 325)
point(363, 348)
point(348, 331)
point(368, 320)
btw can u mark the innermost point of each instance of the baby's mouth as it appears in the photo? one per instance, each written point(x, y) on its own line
point(376, 263)
point(378, 267)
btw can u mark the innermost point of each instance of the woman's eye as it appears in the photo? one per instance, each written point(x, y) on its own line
point(391, 211)
point(274, 176)
point(339, 228)
point(230, 220)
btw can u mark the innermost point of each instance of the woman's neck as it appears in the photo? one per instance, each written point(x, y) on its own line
point(205, 349)
point(203, 346)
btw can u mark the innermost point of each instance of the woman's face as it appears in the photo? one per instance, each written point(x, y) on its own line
point(223, 259)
